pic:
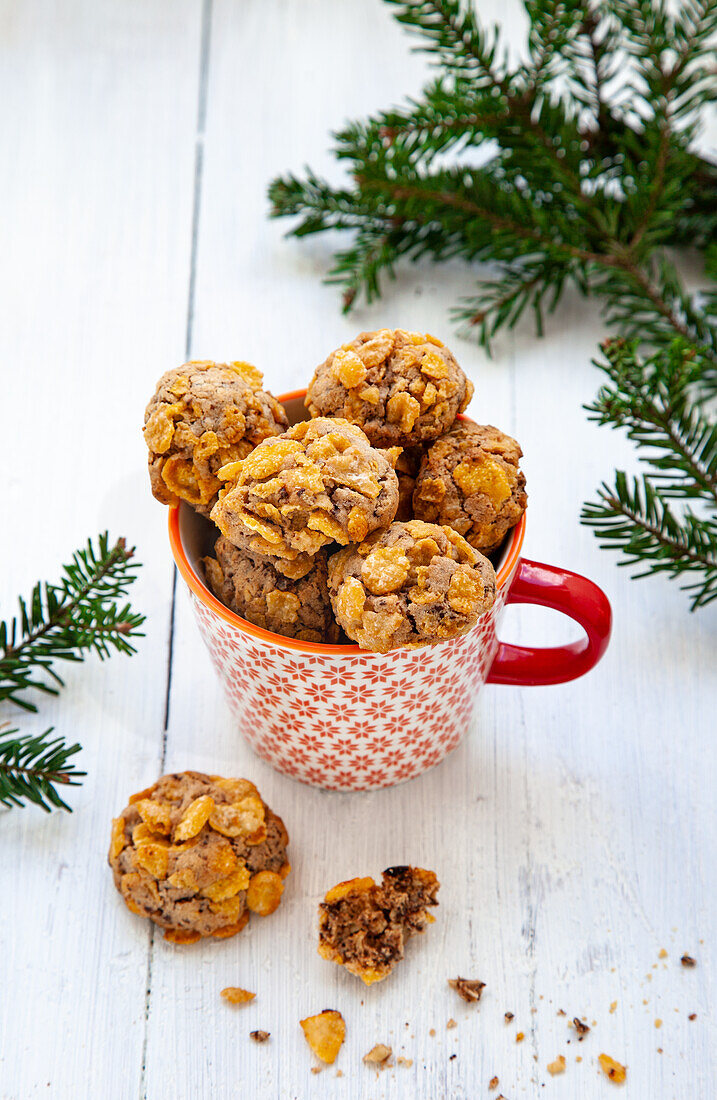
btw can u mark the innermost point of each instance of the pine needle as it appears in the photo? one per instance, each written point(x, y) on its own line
point(32, 768)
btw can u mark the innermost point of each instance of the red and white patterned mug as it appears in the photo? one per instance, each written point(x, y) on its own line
point(342, 718)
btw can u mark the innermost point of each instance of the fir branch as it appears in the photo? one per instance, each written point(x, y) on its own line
point(66, 621)
point(32, 768)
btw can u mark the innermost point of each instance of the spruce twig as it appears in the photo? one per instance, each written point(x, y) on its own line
point(66, 621)
point(32, 768)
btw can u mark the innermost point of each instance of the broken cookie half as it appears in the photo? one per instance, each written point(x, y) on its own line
point(364, 926)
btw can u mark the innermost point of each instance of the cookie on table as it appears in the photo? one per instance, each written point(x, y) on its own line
point(364, 926)
point(203, 415)
point(411, 585)
point(251, 587)
point(197, 853)
point(402, 388)
point(317, 483)
point(470, 480)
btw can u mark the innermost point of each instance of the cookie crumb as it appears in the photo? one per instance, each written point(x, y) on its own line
point(452, 1057)
point(556, 1067)
point(407, 1062)
point(581, 1028)
point(378, 1055)
point(613, 1006)
point(612, 1069)
point(509, 1016)
point(236, 996)
point(316, 1069)
point(259, 1036)
point(578, 1058)
point(519, 1037)
point(658, 1022)
point(451, 1023)
point(468, 989)
point(692, 1016)
point(561, 1012)
point(688, 961)
point(432, 1032)
point(662, 954)
point(493, 1083)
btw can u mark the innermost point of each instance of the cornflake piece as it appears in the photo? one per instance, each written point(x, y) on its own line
point(451, 1024)
point(612, 1069)
point(662, 954)
point(236, 996)
point(613, 1006)
point(264, 892)
point(325, 1034)
point(259, 1036)
point(519, 1037)
point(470, 990)
point(378, 1055)
point(558, 1066)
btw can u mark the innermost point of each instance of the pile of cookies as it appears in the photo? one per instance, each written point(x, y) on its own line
point(371, 521)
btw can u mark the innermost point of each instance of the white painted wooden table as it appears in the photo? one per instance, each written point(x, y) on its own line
point(573, 830)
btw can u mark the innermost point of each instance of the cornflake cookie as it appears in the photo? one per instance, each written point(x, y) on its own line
point(252, 588)
point(470, 480)
point(412, 585)
point(203, 415)
point(197, 853)
point(318, 483)
point(364, 927)
point(400, 387)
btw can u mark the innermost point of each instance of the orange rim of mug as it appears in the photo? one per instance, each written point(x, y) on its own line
point(200, 590)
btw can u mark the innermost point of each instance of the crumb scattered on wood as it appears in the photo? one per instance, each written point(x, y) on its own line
point(236, 996)
point(687, 960)
point(378, 1055)
point(612, 1069)
point(613, 1006)
point(561, 1012)
point(658, 1022)
point(578, 1058)
point(581, 1028)
point(493, 1083)
point(451, 1023)
point(509, 1016)
point(432, 1032)
point(663, 953)
point(259, 1036)
point(339, 1073)
point(316, 1069)
point(519, 1037)
point(452, 1057)
point(692, 1016)
point(556, 1067)
point(469, 989)
point(407, 1062)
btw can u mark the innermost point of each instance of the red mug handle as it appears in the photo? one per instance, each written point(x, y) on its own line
point(571, 594)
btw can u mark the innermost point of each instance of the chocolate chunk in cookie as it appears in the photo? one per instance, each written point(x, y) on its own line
point(412, 585)
point(402, 388)
point(470, 480)
point(203, 415)
point(197, 853)
point(251, 587)
point(318, 483)
point(364, 926)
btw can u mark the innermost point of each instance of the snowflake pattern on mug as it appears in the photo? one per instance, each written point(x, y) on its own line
point(356, 722)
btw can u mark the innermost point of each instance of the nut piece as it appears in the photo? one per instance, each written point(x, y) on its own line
point(411, 585)
point(378, 1055)
point(364, 926)
point(259, 1036)
point(325, 1034)
point(612, 1069)
point(558, 1066)
point(470, 480)
point(470, 990)
point(402, 388)
point(319, 482)
point(236, 996)
point(200, 882)
point(257, 588)
point(202, 416)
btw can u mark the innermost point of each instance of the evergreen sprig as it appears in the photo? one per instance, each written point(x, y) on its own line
point(66, 621)
point(32, 768)
point(576, 165)
point(650, 398)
